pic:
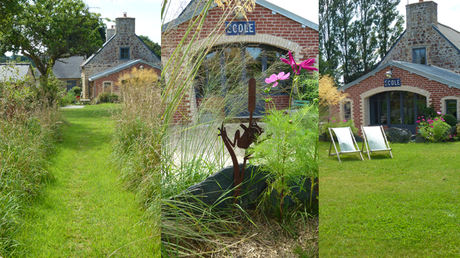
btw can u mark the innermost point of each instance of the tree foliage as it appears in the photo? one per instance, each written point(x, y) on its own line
point(355, 35)
point(155, 47)
point(46, 30)
point(329, 95)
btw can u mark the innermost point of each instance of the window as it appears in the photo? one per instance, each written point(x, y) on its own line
point(451, 107)
point(71, 84)
point(419, 56)
point(124, 53)
point(347, 110)
point(226, 69)
point(107, 86)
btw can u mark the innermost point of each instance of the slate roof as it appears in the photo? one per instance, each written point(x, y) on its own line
point(18, 72)
point(65, 68)
point(450, 34)
point(189, 12)
point(119, 68)
point(431, 72)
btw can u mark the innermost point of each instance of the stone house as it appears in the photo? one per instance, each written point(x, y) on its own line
point(268, 33)
point(122, 46)
point(423, 67)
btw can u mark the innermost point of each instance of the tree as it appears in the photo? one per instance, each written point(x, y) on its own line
point(46, 30)
point(155, 47)
point(387, 15)
point(355, 35)
point(328, 31)
point(8, 8)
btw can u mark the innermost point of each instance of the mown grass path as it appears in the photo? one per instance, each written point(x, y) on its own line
point(85, 212)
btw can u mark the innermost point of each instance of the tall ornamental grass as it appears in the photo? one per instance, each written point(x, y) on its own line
point(28, 130)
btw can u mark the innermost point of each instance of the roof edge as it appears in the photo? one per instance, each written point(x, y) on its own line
point(120, 68)
point(402, 65)
point(262, 3)
point(442, 35)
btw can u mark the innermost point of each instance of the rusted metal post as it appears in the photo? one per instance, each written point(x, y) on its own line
point(244, 141)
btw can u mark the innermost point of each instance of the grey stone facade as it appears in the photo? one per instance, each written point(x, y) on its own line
point(109, 55)
point(441, 42)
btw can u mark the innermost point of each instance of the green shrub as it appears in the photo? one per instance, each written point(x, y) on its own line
point(67, 98)
point(107, 97)
point(450, 119)
point(76, 90)
point(434, 130)
point(288, 150)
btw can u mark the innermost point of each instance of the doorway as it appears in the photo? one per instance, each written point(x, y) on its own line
point(396, 109)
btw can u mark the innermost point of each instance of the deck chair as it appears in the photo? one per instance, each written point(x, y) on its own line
point(375, 140)
point(346, 140)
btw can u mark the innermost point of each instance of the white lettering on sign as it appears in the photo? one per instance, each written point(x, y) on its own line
point(392, 82)
point(240, 28)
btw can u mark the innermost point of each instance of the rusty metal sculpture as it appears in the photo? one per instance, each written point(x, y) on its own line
point(242, 141)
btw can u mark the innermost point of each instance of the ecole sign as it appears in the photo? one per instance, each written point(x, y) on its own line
point(240, 28)
point(392, 82)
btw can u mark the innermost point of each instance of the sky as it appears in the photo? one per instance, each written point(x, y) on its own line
point(146, 12)
point(448, 11)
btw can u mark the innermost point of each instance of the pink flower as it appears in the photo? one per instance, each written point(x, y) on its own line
point(431, 127)
point(276, 78)
point(423, 120)
point(418, 121)
point(297, 67)
point(307, 65)
point(344, 120)
point(333, 121)
point(439, 113)
point(435, 119)
point(443, 119)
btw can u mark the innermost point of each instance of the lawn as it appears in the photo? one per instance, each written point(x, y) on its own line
point(85, 212)
point(408, 206)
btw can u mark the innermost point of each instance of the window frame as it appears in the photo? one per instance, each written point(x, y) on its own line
point(456, 107)
point(414, 50)
point(126, 51)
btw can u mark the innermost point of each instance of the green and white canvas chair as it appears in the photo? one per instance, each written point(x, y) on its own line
point(375, 140)
point(346, 140)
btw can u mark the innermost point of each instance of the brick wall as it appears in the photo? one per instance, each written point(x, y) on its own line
point(360, 93)
point(113, 78)
point(271, 29)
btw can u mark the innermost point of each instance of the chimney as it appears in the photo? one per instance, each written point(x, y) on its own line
point(109, 33)
point(125, 26)
point(421, 16)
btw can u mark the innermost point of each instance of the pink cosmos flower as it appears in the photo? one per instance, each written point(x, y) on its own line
point(418, 121)
point(344, 120)
point(276, 78)
point(333, 121)
point(307, 64)
point(435, 119)
point(439, 113)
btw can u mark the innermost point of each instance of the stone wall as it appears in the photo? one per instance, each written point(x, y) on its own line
point(271, 29)
point(421, 21)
